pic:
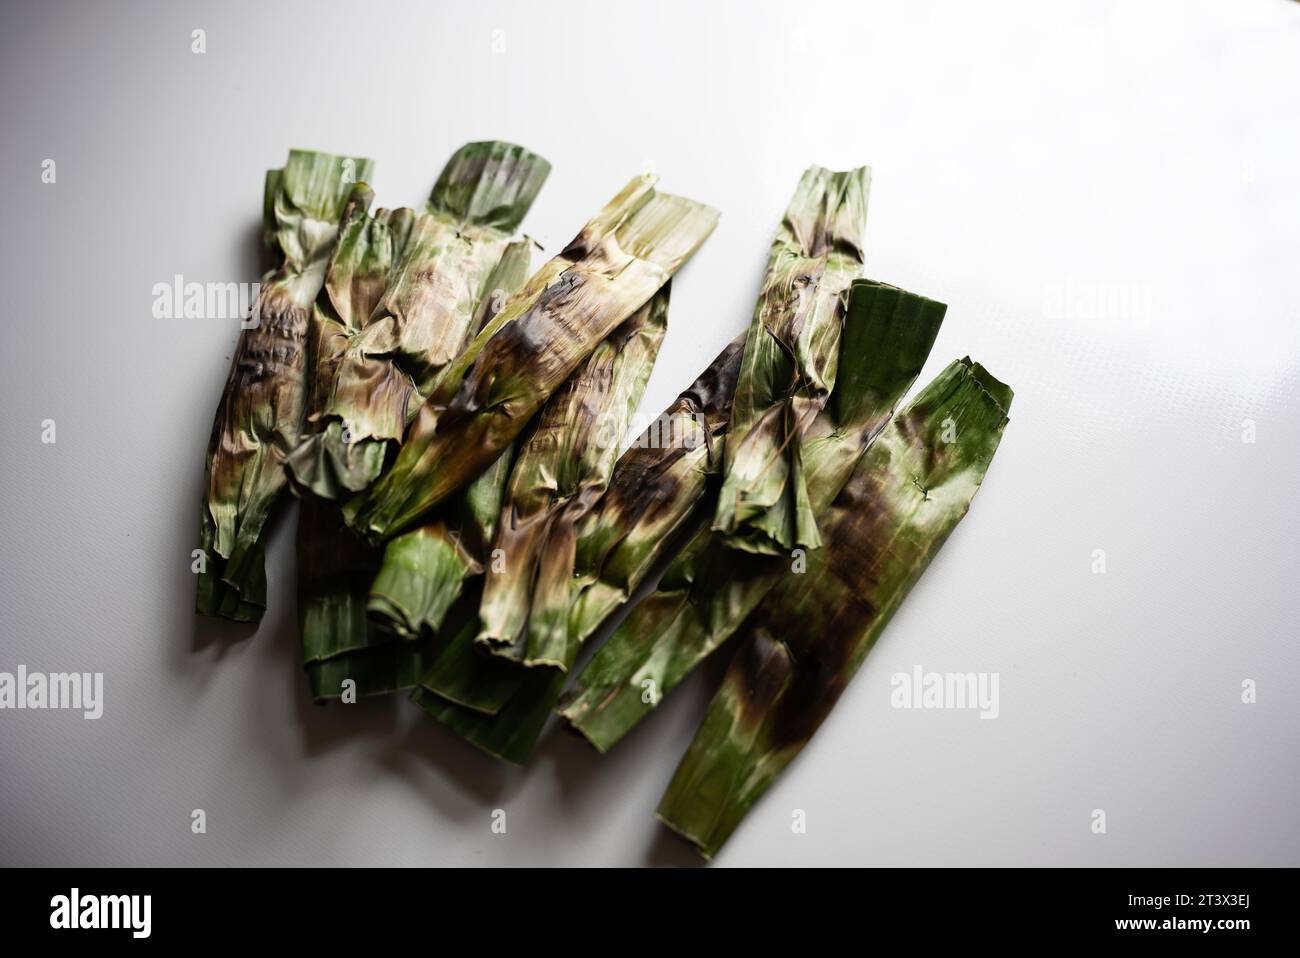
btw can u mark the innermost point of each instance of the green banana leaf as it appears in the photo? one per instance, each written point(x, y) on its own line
point(437, 292)
point(656, 486)
point(708, 590)
point(260, 416)
point(560, 474)
point(339, 642)
point(790, 364)
point(799, 649)
point(425, 570)
point(480, 402)
point(562, 470)
point(429, 298)
point(513, 730)
point(653, 498)
point(334, 564)
point(381, 669)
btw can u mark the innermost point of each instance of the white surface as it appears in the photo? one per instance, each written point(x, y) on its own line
point(1144, 150)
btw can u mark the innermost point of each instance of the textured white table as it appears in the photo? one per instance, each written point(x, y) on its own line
point(1106, 194)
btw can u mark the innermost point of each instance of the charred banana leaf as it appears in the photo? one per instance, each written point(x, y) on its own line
point(439, 291)
point(334, 564)
point(707, 592)
point(560, 474)
point(655, 491)
point(381, 332)
point(425, 570)
point(481, 401)
point(653, 497)
point(260, 416)
point(790, 364)
point(800, 648)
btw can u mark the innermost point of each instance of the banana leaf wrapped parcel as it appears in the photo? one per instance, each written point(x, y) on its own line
point(560, 474)
point(425, 570)
point(403, 295)
point(800, 648)
point(653, 498)
point(479, 506)
point(655, 491)
point(567, 455)
point(481, 401)
point(380, 365)
point(709, 588)
point(258, 421)
point(790, 363)
point(331, 559)
point(707, 591)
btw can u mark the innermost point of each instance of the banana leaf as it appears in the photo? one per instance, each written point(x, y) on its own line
point(798, 651)
point(480, 402)
point(260, 415)
point(333, 562)
point(338, 640)
point(379, 329)
point(381, 669)
point(656, 487)
point(709, 589)
point(425, 570)
point(524, 700)
point(653, 497)
point(513, 733)
point(560, 474)
point(790, 364)
point(561, 471)
point(381, 366)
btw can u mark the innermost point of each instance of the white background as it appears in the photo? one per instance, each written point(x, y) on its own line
point(1107, 195)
